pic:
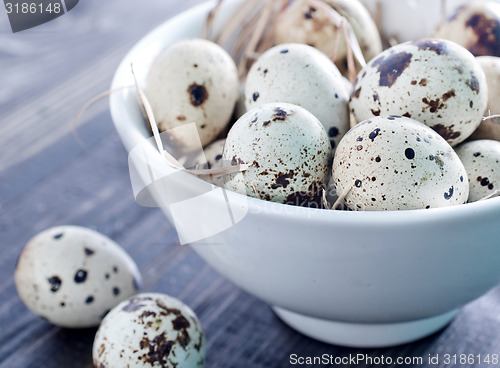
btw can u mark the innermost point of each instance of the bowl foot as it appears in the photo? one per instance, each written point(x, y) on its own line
point(364, 335)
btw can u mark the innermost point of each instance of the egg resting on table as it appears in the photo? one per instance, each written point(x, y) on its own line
point(72, 276)
point(150, 330)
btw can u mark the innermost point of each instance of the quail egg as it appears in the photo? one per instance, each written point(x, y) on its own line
point(149, 330)
point(397, 163)
point(288, 149)
point(302, 22)
point(196, 81)
point(436, 82)
point(72, 276)
point(475, 26)
point(481, 160)
point(301, 75)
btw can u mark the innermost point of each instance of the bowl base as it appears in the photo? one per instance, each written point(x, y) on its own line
point(364, 335)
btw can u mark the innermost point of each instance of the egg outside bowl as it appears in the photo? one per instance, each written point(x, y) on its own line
point(364, 279)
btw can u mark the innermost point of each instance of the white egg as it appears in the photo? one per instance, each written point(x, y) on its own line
point(302, 22)
point(196, 81)
point(481, 160)
point(303, 76)
point(149, 330)
point(475, 26)
point(397, 163)
point(72, 276)
point(288, 149)
point(436, 82)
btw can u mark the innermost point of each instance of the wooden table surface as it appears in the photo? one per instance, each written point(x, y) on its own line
point(47, 178)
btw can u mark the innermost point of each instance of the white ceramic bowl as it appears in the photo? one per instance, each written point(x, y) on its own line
point(351, 278)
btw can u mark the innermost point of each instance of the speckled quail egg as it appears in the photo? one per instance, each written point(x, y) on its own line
point(301, 75)
point(211, 158)
point(475, 26)
point(288, 149)
point(481, 160)
point(196, 81)
point(150, 330)
point(304, 23)
point(397, 163)
point(409, 20)
point(72, 276)
point(436, 82)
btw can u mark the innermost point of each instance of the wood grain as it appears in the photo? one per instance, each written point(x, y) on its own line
point(48, 179)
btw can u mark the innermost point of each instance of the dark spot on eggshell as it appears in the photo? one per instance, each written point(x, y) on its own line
point(266, 123)
point(407, 114)
point(375, 112)
point(377, 159)
point(391, 67)
point(180, 322)
point(181, 118)
point(487, 31)
point(446, 96)
point(484, 182)
point(446, 132)
point(134, 304)
point(471, 104)
point(309, 13)
point(158, 348)
point(80, 276)
point(333, 132)
point(115, 269)
point(265, 71)
point(413, 82)
point(279, 114)
point(490, 186)
point(58, 236)
point(410, 153)
point(423, 82)
point(359, 147)
point(255, 96)
point(358, 183)
point(88, 251)
point(116, 291)
point(477, 154)
point(359, 139)
point(198, 94)
point(374, 134)
point(461, 179)
point(282, 180)
point(218, 157)
point(437, 46)
point(55, 283)
point(356, 93)
point(434, 105)
point(449, 194)
point(473, 83)
point(237, 161)
point(89, 300)
point(284, 51)
point(375, 97)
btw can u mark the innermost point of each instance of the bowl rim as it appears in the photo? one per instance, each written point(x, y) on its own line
point(123, 77)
